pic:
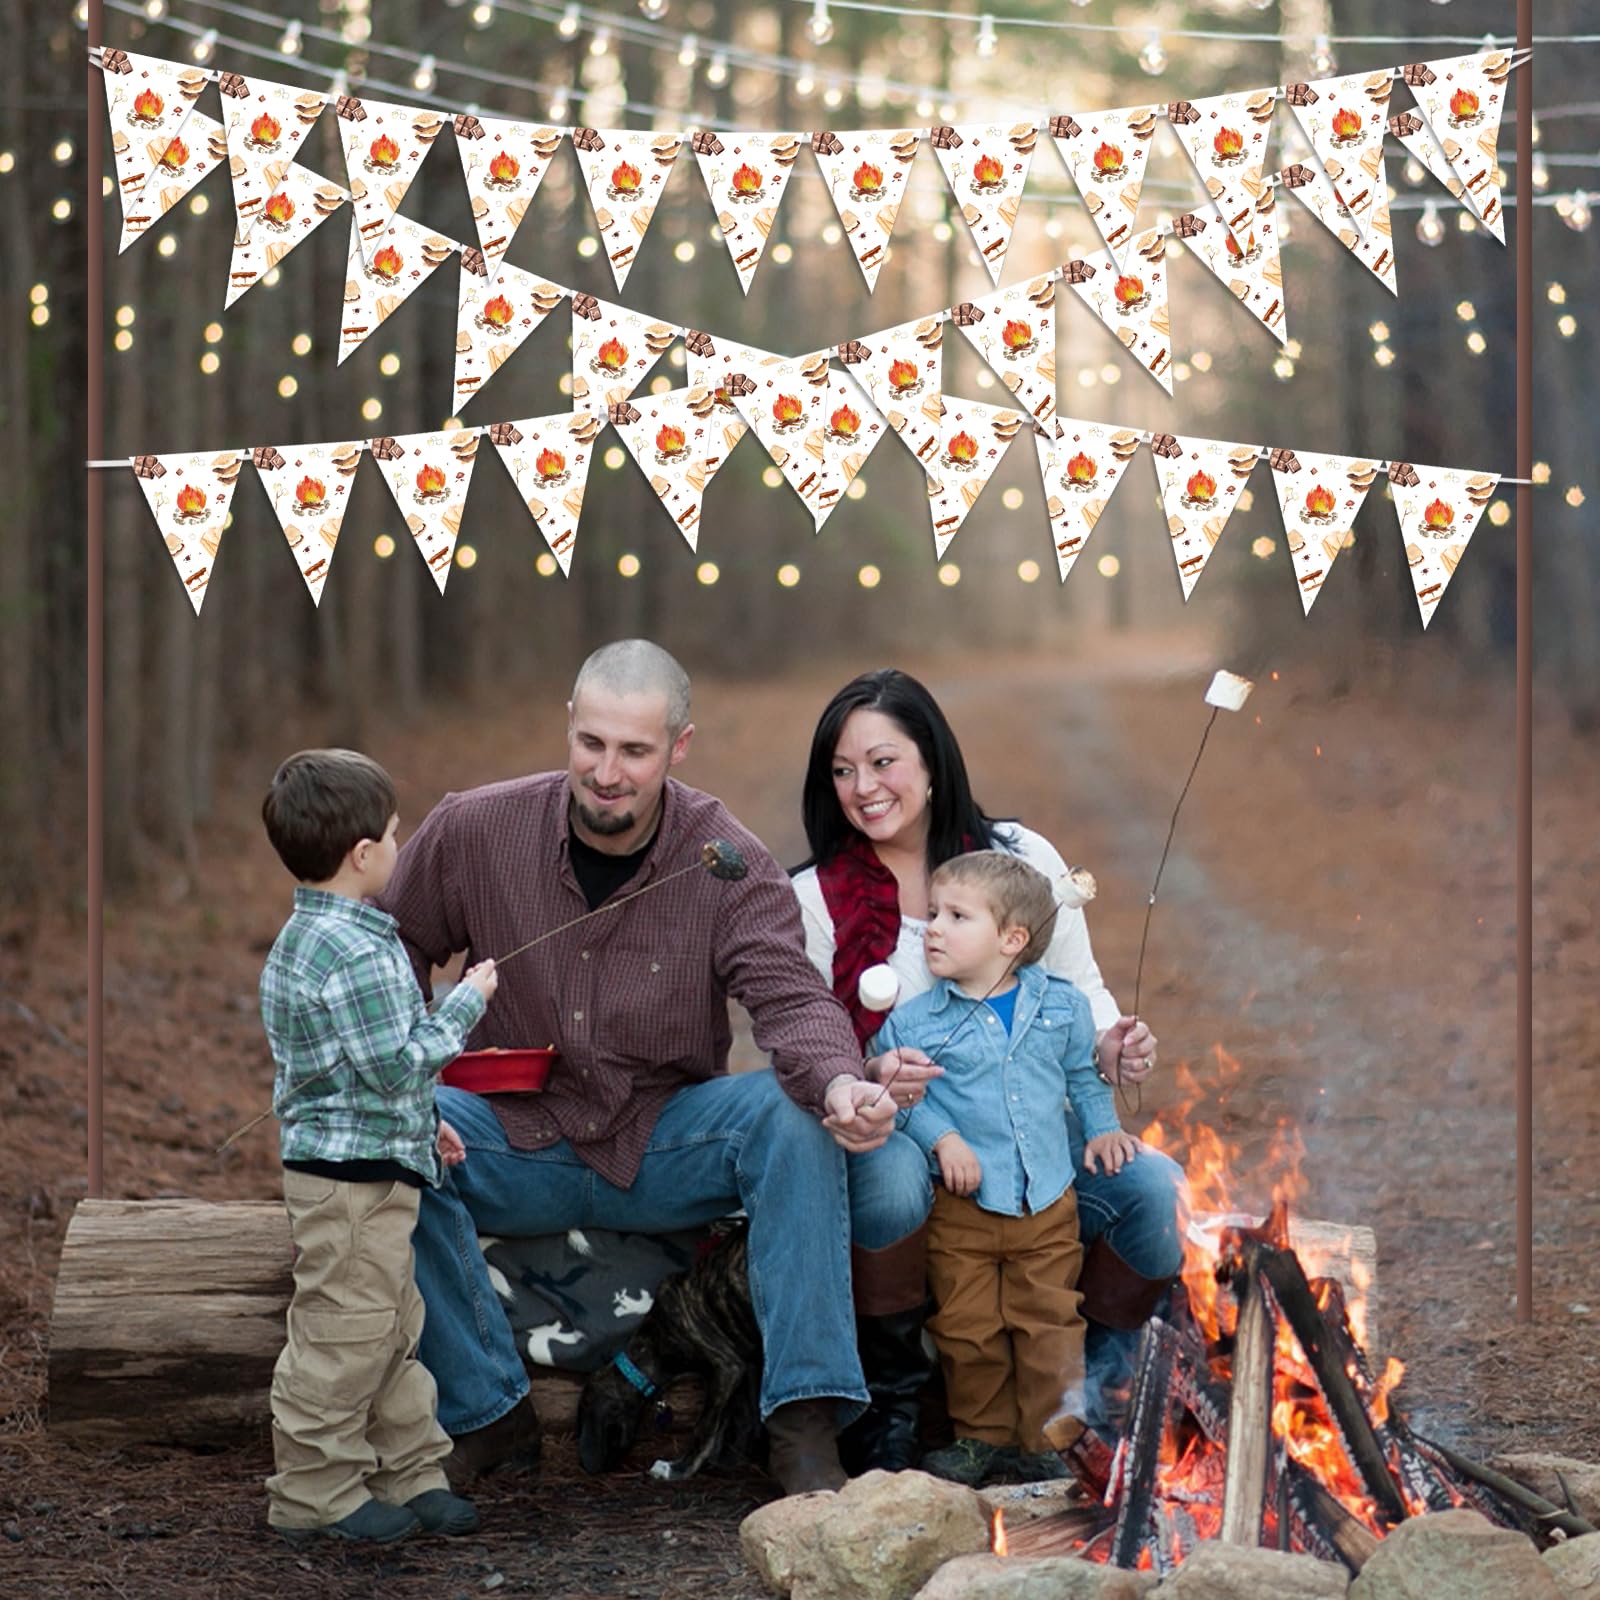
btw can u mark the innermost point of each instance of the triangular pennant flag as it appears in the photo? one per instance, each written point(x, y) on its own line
point(866, 172)
point(504, 162)
point(678, 444)
point(1422, 142)
point(902, 372)
point(1438, 508)
point(190, 495)
point(1200, 481)
point(612, 351)
point(1226, 137)
point(266, 123)
point(495, 312)
point(1014, 330)
point(1106, 153)
point(852, 428)
point(624, 172)
point(1134, 304)
point(972, 439)
point(1247, 261)
point(309, 487)
point(548, 459)
point(1344, 118)
point(1319, 496)
point(1375, 251)
point(1463, 98)
point(745, 176)
point(986, 167)
point(429, 475)
point(384, 144)
point(1080, 466)
point(188, 159)
point(302, 201)
point(374, 290)
point(149, 101)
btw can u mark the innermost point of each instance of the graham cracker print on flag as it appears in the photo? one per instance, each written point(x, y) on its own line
point(1319, 496)
point(745, 175)
point(986, 166)
point(1080, 467)
point(866, 171)
point(1200, 482)
point(190, 494)
point(1375, 251)
point(1132, 301)
point(1106, 153)
point(1016, 336)
point(302, 202)
point(503, 162)
point(549, 459)
point(624, 173)
point(1423, 143)
point(494, 315)
point(375, 289)
point(265, 124)
point(429, 475)
point(309, 487)
point(149, 106)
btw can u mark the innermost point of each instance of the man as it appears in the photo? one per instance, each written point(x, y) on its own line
point(640, 1126)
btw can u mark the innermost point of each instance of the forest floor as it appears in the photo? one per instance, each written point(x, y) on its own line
point(1332, 949)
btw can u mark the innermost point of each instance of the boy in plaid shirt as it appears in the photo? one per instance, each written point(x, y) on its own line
point(355, 1439)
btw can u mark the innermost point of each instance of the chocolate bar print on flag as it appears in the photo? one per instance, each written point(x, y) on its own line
point(496, 309)
point(866, 172)
point(309, 487)
point(1319, 496)
point(265, 124)
point(1131, 301)
point(1016, 336)
point(986, 166)
point(679, 444)
point(1200, 482)
point(624, 172)
point(429, 475)
point(549, 459)
point(745, 175)
point(302, 202)
point(503, 162)
point(1081, 463)
point(1106, 153)
point(972, 439)
point(149, 103)
point(1438, 509)
point(613, 350)
point(382, 152)
point(190, 495)
point(375, 289)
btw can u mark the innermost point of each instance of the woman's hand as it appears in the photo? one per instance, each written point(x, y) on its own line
point(859, 1115)
point(1126, 1051)
point(907, 1070)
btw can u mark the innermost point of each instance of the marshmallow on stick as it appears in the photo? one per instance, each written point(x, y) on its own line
point(878, 988)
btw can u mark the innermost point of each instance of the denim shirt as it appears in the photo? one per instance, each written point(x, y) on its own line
point(1006, 1094)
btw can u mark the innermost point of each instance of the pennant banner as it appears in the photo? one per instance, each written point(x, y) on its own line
point(503, 162)
point(1462, 99)
point(266, 123)
point(986, 167)
point(1439, 509)
point(972, 439)
point(1200, 481)
point(745, 177)
point(429, 474)
point(1106, 153)
point(384, 144)
point(301, 202)
point(493, 317)
point(866, 172)
point(1014, 330)
point(1319, 496)
point(1080, 466)
point(374, 290)
point(1422, 142)
point(309, 487)
point(624, 173)
point(548, 459)
point(1132, 304)
point(187, 159)
point(149, 101)
point(189, 495)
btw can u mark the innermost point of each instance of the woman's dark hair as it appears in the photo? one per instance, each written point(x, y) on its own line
point(955, 821)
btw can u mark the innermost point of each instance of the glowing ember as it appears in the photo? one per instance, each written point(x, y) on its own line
point(310, 493)
point(868, 177)
point(669, 440)
point(1108, 158)
point(613, 354)
point(551, 463)
point(625, 176)
point(844, 420)
point(902, 374)
point(147, 105)
point(387, 262)
point(986, 170)
point(1319, 501)
point(1129, 289)
point(1463, 103)
point(997, 1533)
point(430, 480)
point(498, 311)
point(962, 448)
point(786, 408)
point(265, 129)
point(383, 151)
point(191, 501)
point(1016, 334)
point(1439, 514)
point(503, 167)
point(746, 180)
point(279, 208)
point(1229, 142)
point(1201, 485)
point(1346, 124)
point(1081, 469)
point(175, 155)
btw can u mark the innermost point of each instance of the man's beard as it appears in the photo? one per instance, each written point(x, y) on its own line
point(604, 822)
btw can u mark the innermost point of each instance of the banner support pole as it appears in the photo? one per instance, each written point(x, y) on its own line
point(95, 616)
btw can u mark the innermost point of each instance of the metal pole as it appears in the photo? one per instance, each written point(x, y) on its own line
point(95, 620)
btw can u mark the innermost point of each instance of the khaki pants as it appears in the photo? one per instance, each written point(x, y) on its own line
point(1009, 1335)
point(352, 1407)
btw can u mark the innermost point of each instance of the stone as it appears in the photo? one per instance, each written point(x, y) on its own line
point(1022, 1503)
point(1575, 1565)
point(1454, 1554)
point(1216, 1571)
point(771, 1534)
point(988, 1577)
point(1538, 1472)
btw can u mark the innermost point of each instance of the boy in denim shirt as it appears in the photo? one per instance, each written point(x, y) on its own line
point(356, 1442)
point(1015, 1043)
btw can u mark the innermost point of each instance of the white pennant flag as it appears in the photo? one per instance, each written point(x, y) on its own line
point(1375, 250)
point(851, 431)
point(986, 167)
point(149, 101)
point(1014, 330)
point(1106, 153)
point(624, 173)
point(612, 351)
point(375, 289)
point(1463, 98)
point(188, 159)
point(902, 372)
point(677, 442)
point(1344, 118)
point(745, 176)
point(1319, 496)
point(503, 162)
point(1422, 142)
point(429, 475)
point(1226, 137)
point(1247, 260)
point(1200, 481)
point(1081, 467)
point(548, 459)
point(384, 144)
point(189, 494)
point(866, 171)
point(309, 487)
point(972, 439)
point(1133, 302)
point(302, 201)
point(1439, 509)
point(495, 311)
point(265, 123)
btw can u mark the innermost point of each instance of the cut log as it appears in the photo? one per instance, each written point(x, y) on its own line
point(1141, 1446)
point(1249, 1411)
point(1351, 1540)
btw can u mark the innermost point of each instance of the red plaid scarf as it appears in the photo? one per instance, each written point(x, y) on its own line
point(863, 901)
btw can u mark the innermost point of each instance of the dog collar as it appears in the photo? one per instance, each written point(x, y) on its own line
point(634, 1376)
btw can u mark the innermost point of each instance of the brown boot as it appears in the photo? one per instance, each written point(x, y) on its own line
point(805, 1450)
point(509, 1443)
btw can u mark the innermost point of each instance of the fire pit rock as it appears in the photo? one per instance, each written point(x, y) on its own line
point(1045, 1578)
point(1454, 1553)
point(1215, 1571)
point(1575, 1565)
point(1546, 1474)
point(879, 1538)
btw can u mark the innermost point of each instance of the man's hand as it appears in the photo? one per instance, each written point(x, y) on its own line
point(451, 1150)
point(958, 1164)
point(859, 1115)
point(1110, 1152)
point(907, 1070)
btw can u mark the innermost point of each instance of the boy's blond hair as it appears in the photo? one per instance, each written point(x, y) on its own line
point(1018, 895)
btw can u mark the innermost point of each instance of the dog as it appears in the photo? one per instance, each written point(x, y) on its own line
point(702, 1324)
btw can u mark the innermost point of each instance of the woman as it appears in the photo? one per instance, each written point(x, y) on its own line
point(886, 799)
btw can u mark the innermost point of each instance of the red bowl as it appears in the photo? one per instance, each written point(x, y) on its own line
point(500, 1071)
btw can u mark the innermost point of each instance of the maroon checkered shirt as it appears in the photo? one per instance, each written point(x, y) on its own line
point(636, 1001)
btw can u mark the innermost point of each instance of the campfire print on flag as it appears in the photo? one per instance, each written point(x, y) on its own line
point(1106, 152)
point(1132, 303)
point(149, 102)
point(190, 497)
point(1344, 118)
point(1462, 99)
point(265, 123)
point(624, 173)
point(1438, 509)
point(902, 372)
point(866, 172)
point(1080, 467)
point(972, 439)
point(1226, 137)
point(429, 474)
point(548, 459)
point(384, 145)
point(375, 289)
point(1200, 482)
point(503, 162)
point(493, 317)
point(309, 487)
point(986, 167)
point(612, 351)
point(1014, 330)
point(301, 202)
point(1247, 259)
point(188, 159)
point(679, 444)
point(745, 176)
point(1319, 496)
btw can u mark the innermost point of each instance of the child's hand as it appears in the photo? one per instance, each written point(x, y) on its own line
point(958, 1165)
point(484, 978)
point(451, 1150)
point(1110, 1152)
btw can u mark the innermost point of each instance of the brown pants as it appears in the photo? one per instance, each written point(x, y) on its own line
point(1009, 1335)
point(352, 1407)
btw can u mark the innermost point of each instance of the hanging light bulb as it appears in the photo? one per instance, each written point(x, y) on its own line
point(1430, 230)
point(567, 27)
point(1415, 171)
point(1323, 61)
point(205, 46)
point(289, 44)
point(688, 51)
point(655, 10)
point(340, 85)
point(804, 86)
point(1578, 217)
point(833, 96)
point(422, 78)
point(483, 13)
point(717, 72)
point(1153, 58)
point(1260, 5)
point(1541, 173)
point(819, 30)
point(986, 36)
point(1538, 134)
point(155, 10)
point(601, 42)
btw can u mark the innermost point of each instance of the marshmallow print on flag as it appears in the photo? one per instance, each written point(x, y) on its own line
point(1132, 303)
point(188, 159)
point(1344, 120)
point(612, 351)
point(1462, 99)
point(384, 144)
point(189, 495)
point(503, 162)
point(548, 459)
point(972, 439)
point(494, 314)
point(1438, 509)
point(429, 475)
point(309, 487)
point(678, 444)
point(624, 173)
point(1226, 137)
point(374, 290)
point(1080, 467)
point(1319, 496)
point(986, 167)
point(1247, 261)
point(1376, 250)
point(1422, 142)
point(1014, 330)
point(866, 173)
point(265, 124)
point(901, 370)
point(149, 102)
point(1200, 482)
point(745, 175)
point(302, 202)
point(1106, 153)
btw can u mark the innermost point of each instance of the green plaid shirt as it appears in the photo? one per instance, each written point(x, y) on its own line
point(356, 1050)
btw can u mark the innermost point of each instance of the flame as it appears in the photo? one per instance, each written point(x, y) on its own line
point(498, 311)
point(625, 176)
point(962, 448)
point(1463, 103)
point(384, 151)
point(279, 207)
point(844, 420)
point(746, 180)
point(868, 177)
point(613, 353)
point(147, 105)
point(987, 170)
point(265, 129)
point(1439, 514)
point(1128, 289)
point(1319, 501)
point(387, 262)
point(1201, 485)
point(1228, 142)
point(1081, 469)
point(1388, 1381)
point(1015, 334)
point(551, 463)
point(669, 440)
point(191, 501)
point(310, 492)
point(1108, 158)
point(503, 167)
point(175, 155)
point(997, 1533)
point(902, 374)
point(430, 480)
point(1346, 124)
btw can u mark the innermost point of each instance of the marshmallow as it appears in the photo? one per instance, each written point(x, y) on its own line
point(1075, 888)
point(879, 988)
point(1228, 691)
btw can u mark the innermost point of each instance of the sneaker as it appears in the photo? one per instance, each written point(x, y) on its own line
point(969, 1461)
point(439, 1511)
point(1039, 1466)
point(370, 1523)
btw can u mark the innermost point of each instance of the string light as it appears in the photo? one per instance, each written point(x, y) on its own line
point(62, 153)
point(483, 14)
point(949, 574)
point(1323, 62)
point(290, 43)
point(466, 556)
point(155, 10)
point(717, 71)
point(546, 566)
point(558, 109)
point(688, 51)
point(1578, 217)
point(804, 85)
point(1153, 58)
point(383, 547)
point(567, 27)
point(1028, 571)
point(833, 96)
point(601, 42)
point(423, 77)
point(1541, 174)
point(205, 46)
point(819, 29)
point(1108, 566)
point(1430, 230)
point(655, 10)
point(869, 577)
point(707, 573)
point(788, 575)
point(987, 39)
